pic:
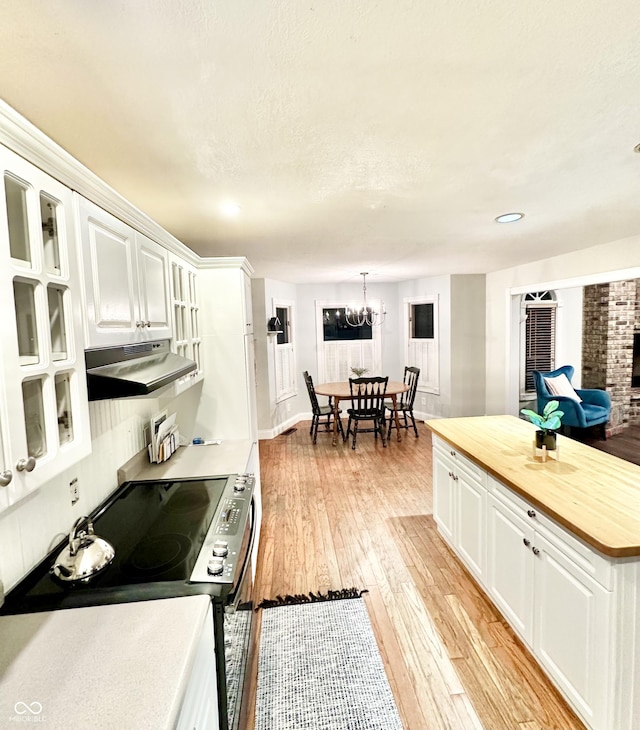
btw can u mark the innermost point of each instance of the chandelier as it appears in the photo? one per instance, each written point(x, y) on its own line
point(366, 314)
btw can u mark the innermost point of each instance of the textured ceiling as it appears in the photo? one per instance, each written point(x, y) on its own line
point(354, 134)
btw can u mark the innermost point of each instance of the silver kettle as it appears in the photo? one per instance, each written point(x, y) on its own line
point(85, 555)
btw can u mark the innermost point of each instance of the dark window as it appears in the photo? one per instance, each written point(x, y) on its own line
point(422, 321)
point(635, 373)
point(282, 313)
point(540, 342)
point(335, 327)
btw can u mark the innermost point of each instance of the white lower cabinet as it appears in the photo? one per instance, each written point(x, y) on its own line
point(559, 611)
point(444, 495)
point(557, 593)
point(509, 567)
point(459, 496)
point(200, 704)
point(571, 630)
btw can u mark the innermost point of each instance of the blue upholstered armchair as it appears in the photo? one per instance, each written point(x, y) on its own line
point(593, 410)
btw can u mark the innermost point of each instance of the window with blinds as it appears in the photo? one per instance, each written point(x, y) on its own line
point(540, 336)
point(341, 347)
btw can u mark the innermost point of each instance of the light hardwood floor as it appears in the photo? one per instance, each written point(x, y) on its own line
point(335, 518)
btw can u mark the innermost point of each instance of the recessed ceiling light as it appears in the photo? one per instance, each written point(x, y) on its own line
point(509, 217)
point(229, 209)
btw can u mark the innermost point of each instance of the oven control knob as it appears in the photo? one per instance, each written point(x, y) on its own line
point(215, 566)
point(220, 548)
point(239, 487)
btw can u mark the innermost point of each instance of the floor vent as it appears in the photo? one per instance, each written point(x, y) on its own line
point(289, 431)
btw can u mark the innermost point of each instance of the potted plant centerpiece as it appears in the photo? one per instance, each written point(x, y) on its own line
point(547, 423)
point(359, 372)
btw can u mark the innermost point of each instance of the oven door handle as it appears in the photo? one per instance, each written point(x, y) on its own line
point(234, 598)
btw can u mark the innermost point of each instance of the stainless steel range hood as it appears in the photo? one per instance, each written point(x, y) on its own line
point(128, 370)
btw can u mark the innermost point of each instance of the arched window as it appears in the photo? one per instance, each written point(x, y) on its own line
point(539, 335)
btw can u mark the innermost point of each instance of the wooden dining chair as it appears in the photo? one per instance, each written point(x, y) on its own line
point(404, 404)
point(367, 404)
point(320, 412)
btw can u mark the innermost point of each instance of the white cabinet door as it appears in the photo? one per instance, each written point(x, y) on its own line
point(571, 634)
point(126, 279)
point(153, 288)
point(227, 408)
point(199, 710)
point(185, 309)
point(444, 495)
point(509, 566)
point(471, 528)
point(43, 393)
point(110, 275)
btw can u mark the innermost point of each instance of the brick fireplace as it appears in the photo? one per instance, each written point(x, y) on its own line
point(611, 316)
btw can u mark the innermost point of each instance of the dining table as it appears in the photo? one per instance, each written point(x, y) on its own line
point(341, 391)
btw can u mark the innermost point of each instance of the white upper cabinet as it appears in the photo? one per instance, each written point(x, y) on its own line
point(186, 311)
point(44, 417)
point(126, 279)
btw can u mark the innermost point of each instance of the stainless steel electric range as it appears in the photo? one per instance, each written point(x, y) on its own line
point(169, 538)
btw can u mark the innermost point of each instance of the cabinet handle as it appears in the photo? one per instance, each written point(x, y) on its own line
point(531, 513)
point(26, 464)
point(140, 323)
point(455, 478)
point(535, 550)
point(147, 323)
point(526, 542)
point(453, 453)
point(451, 474)
point(5, 477)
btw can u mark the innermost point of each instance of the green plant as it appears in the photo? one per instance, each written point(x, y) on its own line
point(359, 372)
point(551, 417)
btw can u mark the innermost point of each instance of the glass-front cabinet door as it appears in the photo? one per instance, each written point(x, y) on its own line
point(186, 312)
point(44, 413)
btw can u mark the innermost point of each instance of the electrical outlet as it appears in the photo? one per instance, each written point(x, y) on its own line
point(75, 490)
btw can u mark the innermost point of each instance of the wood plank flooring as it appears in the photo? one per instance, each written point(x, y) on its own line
point(625, 445)
point(335, 518)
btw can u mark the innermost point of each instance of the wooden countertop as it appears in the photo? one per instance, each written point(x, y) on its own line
point(593, 494)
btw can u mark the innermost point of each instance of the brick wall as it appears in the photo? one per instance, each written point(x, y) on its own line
point(610, 316)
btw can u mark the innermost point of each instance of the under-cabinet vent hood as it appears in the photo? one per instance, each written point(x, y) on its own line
point(127, 370)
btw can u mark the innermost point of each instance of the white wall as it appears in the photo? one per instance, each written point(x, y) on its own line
point(569, 330)
point(461, 332)
point(608, 262)
point(468, 344)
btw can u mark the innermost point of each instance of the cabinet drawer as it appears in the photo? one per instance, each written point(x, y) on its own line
point(575, 549)
point(460, 461)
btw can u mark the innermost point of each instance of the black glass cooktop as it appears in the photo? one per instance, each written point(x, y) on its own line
point(156, 529)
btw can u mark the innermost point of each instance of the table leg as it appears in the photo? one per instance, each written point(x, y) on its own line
point(395, 415)
point(336, 411)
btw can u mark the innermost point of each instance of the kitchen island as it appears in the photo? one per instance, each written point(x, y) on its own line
point(130, 665)
point(556, 547)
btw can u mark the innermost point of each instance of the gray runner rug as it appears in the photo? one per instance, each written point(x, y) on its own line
point(319, 667)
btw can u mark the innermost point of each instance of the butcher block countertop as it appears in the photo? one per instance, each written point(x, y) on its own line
point(122, 666)
point(593, 494)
